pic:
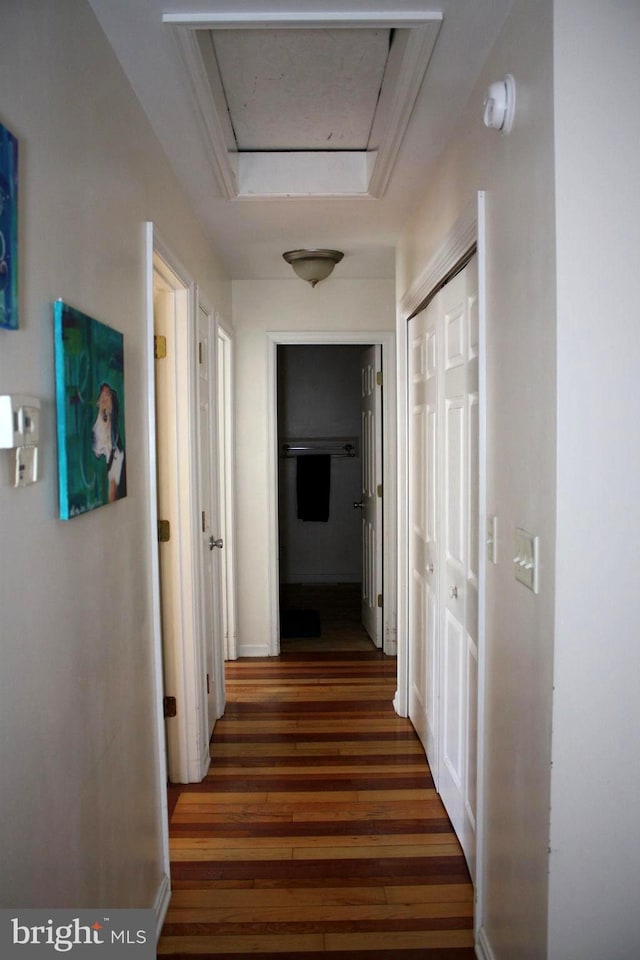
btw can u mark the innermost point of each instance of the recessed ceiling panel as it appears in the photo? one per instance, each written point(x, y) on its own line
point(302, 89)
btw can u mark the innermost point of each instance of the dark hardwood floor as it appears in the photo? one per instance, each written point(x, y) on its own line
point(317, 829)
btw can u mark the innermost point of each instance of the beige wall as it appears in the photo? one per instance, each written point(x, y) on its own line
point(259, 307)
point(595, 827)
point(517, 174)
point(79, 763)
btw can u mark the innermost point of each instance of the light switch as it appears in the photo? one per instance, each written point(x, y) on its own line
point(492, 538)
point(525, 558)
point(26, 465)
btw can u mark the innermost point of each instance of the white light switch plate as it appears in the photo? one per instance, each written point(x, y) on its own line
point(525, 558)
point(492, 538)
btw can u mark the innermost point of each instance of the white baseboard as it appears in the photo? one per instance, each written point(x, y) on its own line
point(483, 947)
point(253, 650)
point(161, 904)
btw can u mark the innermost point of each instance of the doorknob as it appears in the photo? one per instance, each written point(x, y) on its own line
point(358, 504)
point(215, 543)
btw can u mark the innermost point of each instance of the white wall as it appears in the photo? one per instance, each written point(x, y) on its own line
point(260, 306)
point(517, 174)
point(80, 817)
point(320, 395)
point(595, 835)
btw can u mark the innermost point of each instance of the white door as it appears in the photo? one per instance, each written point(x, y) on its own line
point(211, 544)
point(225, 475)
point(423, 526)
point(443, 543)
point(459, 582)
point(371, 366)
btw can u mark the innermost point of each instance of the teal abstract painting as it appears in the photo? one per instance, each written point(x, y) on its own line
point(89, 358)
point(8, 230)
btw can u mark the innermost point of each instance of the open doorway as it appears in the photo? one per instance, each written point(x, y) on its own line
point(330, 536)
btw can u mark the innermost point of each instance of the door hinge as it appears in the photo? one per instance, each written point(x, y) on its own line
point(379, 489)
point(379, 378)
point(164, 531)
point(169, 707)
point(379, 599)
point(208, 685)
point(159, 347)
point(200, 354)
point(204, 521)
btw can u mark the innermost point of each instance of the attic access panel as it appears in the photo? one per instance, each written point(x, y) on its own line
point(301, 89)
point(306, 107)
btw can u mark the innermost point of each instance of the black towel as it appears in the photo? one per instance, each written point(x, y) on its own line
point(313, 486)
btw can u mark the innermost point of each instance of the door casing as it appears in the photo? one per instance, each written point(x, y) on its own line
point(387, 341)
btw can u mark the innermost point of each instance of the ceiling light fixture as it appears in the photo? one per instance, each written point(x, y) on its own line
point(313, 265)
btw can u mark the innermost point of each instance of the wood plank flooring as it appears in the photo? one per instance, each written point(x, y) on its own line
point(317, 830)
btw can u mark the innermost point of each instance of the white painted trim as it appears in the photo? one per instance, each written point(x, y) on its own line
point(387, 341)
point(210, 122)
point(191, 685)
point(417, 55)
point(297, 19)
point(483, 947)
point(455, 244)
point(302, 173)
point(161, 902)
point(479, 913)
point(164, 892)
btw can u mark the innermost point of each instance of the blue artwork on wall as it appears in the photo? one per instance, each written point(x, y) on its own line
point(90, 412)
point(8, 230)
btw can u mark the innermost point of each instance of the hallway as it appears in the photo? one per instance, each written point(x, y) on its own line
point(317, 829)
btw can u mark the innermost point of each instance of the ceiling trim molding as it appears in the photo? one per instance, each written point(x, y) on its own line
point(297, 19)
point(455, 244)
point(420, 32)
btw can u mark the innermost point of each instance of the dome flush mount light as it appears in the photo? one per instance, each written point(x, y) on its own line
point(500, 104)
point(313, 265)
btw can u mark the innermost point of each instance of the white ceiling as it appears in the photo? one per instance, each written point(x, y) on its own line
point(271, 77)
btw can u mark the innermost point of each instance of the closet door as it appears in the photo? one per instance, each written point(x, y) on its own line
point(443, 544)
point(423, 525)
point(459, 552)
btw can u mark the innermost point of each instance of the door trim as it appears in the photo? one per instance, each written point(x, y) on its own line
point(163, 895)
point(389, 584)
point(194, 747)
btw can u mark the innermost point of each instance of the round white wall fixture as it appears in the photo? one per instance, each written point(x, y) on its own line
point(500, 104)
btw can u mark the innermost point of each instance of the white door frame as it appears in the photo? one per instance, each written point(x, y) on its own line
point(163, 894)
point(192, 756)
point(387, 341)
point(469, 229)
